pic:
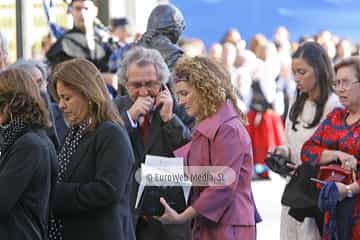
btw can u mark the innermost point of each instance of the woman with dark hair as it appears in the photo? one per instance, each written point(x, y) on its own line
point(225, 210)
point(27, 158)
point(315, 98)
point(338, 139)
point(320, 90)
point(96, 161)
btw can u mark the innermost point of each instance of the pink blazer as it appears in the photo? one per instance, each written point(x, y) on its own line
point(222, 140)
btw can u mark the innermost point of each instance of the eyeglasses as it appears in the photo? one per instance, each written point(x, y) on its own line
point(152, 85)
point(344, 84)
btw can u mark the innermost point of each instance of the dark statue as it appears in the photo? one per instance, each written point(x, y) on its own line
point(165, 25)
point(164, 28)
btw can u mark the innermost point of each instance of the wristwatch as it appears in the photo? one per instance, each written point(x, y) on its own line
point(349, 192)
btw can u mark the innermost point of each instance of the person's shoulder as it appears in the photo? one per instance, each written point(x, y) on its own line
point(336, 115)
point(72, 30)
point(161, 39)
point(164, 45)
point(233, 130)
point(31, 138)
point(338, 111)
point(110, 132)
point(73, 37)
point(34, 140)
point(66, 35)
point(234, 126)
point(109, 128)
point(333, 101)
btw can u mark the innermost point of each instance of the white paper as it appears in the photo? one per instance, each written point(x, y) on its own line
point(156, 161)
point(162, 166)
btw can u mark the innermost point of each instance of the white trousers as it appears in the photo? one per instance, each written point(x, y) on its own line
point(291, 229)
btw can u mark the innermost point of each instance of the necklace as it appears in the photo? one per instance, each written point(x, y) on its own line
point(351, 120)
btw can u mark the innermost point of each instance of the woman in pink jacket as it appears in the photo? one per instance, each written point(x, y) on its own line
point(221, 210)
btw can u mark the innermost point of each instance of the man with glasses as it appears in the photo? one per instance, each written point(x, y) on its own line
point(154, 123)
point(81, 41)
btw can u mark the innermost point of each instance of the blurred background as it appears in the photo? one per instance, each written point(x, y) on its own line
point(253, 39)
point(207, 20)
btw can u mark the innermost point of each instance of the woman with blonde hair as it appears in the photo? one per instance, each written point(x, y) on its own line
point(96, 161)
point(224, 211)
point(27, 158)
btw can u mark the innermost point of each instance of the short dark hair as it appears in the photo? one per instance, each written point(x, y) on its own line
point(119, 22)
point(72, 1)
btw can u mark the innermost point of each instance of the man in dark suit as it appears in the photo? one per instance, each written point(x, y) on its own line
point(82, 40)
point(152, 120)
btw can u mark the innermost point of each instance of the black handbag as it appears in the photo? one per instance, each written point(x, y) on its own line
point(301, 195)
point(150, 200)
point(277, 163)
point(301, 192)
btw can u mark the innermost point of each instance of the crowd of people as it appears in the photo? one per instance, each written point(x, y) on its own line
point(75, 128)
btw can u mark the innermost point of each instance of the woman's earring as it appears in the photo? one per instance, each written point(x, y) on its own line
point(9, 113)
point(90, 113)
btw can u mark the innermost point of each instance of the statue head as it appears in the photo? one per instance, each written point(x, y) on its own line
point(166, 19)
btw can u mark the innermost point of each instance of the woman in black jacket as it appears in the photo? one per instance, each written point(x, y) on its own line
point(96, 161)
point(27, 158)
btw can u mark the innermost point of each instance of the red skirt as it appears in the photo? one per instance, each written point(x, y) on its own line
point(268, 132)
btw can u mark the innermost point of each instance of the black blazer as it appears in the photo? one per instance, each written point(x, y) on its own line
point(73, 44)
point(163, 138)
point(93, 200)
point(28, 170)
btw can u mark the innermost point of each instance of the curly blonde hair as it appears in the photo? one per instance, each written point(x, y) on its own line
point(211, 81)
